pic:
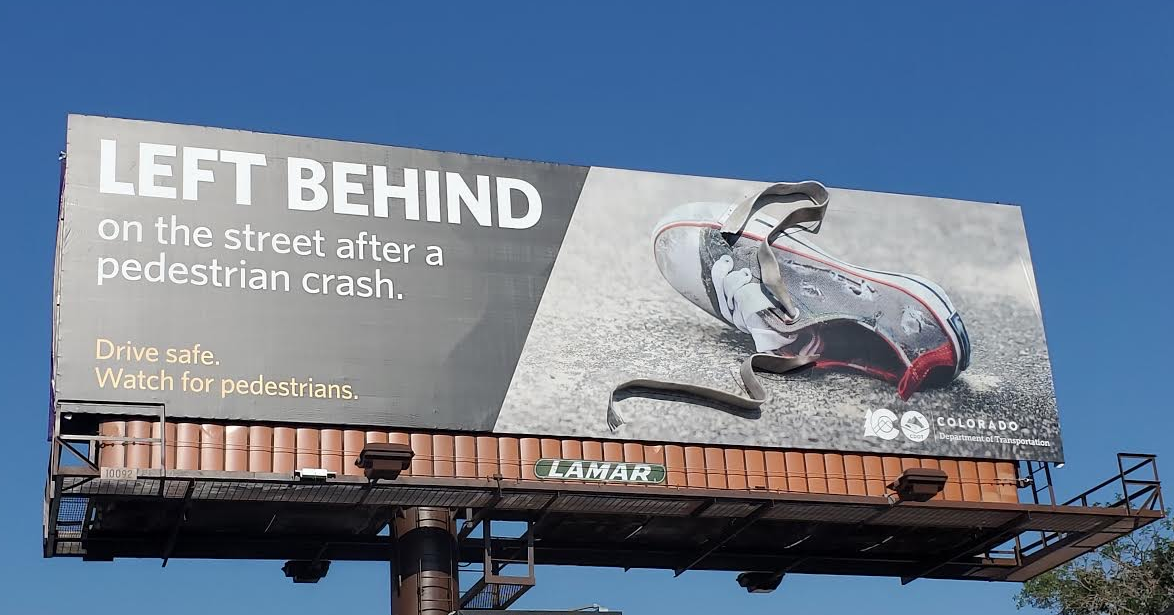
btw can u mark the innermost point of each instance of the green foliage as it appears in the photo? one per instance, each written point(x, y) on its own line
point(1133, 575)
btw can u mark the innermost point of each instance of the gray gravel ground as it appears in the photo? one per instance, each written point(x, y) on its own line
point(607, 316)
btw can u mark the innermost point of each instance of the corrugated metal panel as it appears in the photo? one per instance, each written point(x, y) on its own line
point(509, 457)
point(236, 444)
point(423, 463)
point(444, 454)
point(755, 470)
point(968, 476)
point(954, 486)
point(531, 452)
point(854, 475)
point(837, 481)
point(138, 454)
point(332, 450)
point(874, 482)
point(466, 459)
point(284, 449)
point(168, 449)
point(816, 472)
point(112, 454)
point(250, 447)
point(735, 460)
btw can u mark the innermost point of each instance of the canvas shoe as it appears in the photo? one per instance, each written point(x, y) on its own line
point(753, 265)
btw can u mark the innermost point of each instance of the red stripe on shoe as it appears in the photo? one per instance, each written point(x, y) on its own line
point(941, 356)
point(875, 372)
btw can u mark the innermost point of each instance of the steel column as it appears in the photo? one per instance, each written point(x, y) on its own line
point(424, 564)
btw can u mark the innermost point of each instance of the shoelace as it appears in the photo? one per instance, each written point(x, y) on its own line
point(739, 216)
point(736, 219)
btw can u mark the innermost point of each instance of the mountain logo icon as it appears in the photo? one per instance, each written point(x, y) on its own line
point(915, 426)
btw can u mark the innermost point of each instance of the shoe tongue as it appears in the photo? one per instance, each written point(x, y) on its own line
point(753, 300)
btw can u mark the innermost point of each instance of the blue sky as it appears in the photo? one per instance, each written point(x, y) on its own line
point(1065, 108)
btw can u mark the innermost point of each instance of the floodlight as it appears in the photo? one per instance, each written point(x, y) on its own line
point(919, 484)
point(760, 582)
point(384, 461)
point(305, 570)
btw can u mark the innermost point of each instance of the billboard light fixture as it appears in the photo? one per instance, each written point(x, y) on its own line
point(384, 461)
point(306, 570)
point(760, 582)
point(918, 484)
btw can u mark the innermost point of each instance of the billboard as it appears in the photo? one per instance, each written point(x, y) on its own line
point(248, 276)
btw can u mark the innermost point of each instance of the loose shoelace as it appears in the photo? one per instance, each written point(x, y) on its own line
point(749, 405)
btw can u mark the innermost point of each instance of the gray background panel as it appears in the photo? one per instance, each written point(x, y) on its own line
point(441, 357)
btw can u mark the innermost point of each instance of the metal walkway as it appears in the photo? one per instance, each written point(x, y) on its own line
point(203, 514)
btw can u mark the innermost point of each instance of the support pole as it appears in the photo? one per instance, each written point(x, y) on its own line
point(424, 565)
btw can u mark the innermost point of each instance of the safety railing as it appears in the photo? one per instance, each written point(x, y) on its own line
point(1136, 487)
point(70, 451)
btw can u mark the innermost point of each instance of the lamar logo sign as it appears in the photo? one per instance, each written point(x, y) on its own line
point(600, 471)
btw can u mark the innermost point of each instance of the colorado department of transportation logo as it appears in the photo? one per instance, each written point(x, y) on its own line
point(914, 426)
point(599, 471)
point(881, 423)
